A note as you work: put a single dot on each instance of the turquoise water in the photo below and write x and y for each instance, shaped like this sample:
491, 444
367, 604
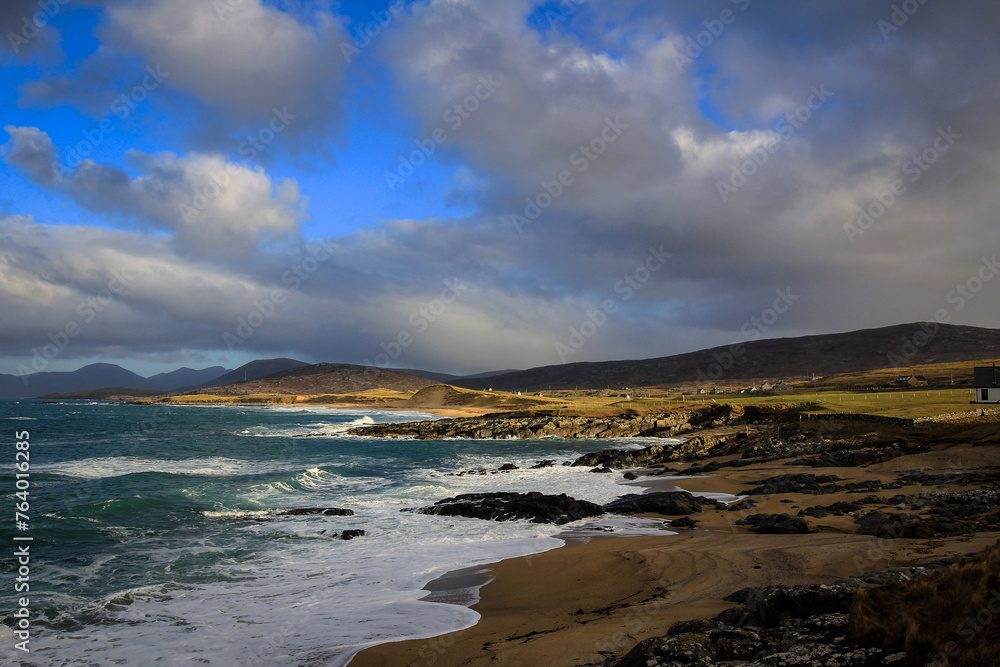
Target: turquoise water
155, 539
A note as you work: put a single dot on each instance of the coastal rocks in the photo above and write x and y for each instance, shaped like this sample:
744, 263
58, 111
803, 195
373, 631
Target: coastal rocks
668, 503
836, 509
774, 626
503, 506
693, 648
741, 505
951, 478
684, 522
625, 458
796, 483
776, 524
305, 511
350, 534
850, 458
541, 424
768, 606
935, 515
656, 455
545, 463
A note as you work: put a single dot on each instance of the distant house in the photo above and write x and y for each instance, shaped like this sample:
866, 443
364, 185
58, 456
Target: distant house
987, 382
767, 386
781, 386
911, 381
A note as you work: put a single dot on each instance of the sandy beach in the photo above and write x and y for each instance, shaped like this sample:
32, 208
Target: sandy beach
585, 602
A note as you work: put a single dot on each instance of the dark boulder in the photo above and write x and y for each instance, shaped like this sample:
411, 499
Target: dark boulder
506, 506
545, 463
768, 606
776, 524
508, 466
894, 526
304, 511
795, 483
741, 505
671, 503
684, 522
351, 534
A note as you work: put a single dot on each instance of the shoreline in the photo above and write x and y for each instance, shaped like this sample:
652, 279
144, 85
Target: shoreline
581, 603
584, 602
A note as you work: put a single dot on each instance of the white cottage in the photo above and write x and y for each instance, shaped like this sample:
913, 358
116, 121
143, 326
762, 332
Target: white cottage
987, 382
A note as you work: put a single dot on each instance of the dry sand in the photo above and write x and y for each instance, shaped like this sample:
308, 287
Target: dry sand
581, 603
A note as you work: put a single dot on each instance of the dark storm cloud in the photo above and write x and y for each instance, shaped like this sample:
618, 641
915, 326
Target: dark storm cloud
806, 156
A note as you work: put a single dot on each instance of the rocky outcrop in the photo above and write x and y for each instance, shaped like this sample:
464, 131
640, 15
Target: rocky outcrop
350, 534
540, 424
776, 626
502, 506
699, 447
669, 503
796, 483
776, 524
837, 509
934, 515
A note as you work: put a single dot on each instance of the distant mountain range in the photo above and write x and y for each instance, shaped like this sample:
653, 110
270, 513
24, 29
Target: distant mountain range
101, 376
778, 358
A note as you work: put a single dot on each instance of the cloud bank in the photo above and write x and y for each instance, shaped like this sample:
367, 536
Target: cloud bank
663, 172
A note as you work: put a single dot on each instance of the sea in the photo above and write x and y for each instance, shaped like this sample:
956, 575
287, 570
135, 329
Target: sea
156, 536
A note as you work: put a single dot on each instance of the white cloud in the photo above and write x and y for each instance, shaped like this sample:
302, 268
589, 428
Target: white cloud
243, 59
211, 206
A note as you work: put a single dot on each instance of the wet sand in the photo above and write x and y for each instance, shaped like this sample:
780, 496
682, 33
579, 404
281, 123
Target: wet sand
584, 602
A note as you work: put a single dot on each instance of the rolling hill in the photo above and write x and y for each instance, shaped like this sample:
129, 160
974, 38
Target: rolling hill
251, 371
851, 352
318, 379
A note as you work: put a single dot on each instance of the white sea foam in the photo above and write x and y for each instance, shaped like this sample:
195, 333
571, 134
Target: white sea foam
311, 430
106, 467
280, 590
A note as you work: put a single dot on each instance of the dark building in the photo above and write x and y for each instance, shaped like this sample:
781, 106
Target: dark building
987, 382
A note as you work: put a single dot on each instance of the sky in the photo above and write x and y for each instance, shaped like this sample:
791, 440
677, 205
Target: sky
465, 186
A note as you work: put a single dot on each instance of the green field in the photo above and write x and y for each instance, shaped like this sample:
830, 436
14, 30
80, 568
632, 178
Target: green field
901, 403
